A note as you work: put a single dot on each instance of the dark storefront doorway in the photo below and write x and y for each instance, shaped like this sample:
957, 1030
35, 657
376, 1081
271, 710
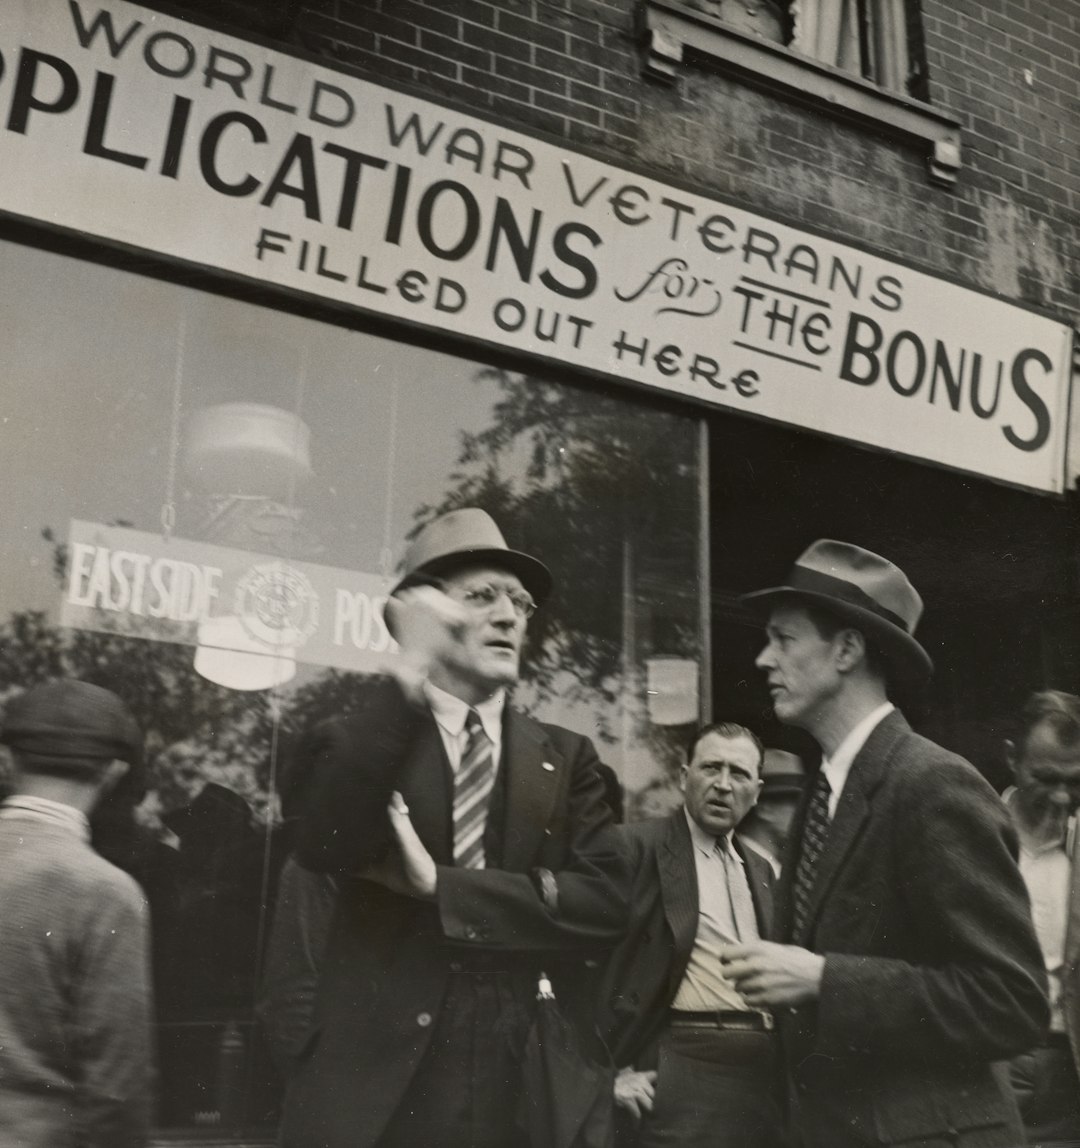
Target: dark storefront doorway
997, 569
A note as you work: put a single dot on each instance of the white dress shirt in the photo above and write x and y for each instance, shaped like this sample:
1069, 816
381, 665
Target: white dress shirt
704, 988
1047, 874
450, 713
837, 767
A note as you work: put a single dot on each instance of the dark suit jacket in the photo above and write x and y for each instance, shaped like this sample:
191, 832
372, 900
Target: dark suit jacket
1070, 975
645, 970
932, 968
389, 957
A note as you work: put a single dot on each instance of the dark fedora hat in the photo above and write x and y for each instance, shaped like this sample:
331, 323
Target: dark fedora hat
71, 725
468, 537
864, 589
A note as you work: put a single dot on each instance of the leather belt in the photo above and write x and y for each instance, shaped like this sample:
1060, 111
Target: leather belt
725, 1020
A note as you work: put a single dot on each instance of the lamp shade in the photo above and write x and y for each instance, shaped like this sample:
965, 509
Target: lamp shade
248, 449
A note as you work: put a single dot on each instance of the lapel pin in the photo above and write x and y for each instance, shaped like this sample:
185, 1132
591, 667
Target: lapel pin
549, 767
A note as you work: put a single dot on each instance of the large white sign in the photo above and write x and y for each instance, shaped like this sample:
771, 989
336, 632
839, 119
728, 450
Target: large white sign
149, 131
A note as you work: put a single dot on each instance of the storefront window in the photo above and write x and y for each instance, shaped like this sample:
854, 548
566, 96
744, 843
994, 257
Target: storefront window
207, 503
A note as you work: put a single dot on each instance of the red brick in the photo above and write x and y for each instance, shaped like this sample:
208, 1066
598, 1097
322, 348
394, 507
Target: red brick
500, 85
531, 32
572, 69
496, 42
464, 54
424, 61
572, 109
527, 74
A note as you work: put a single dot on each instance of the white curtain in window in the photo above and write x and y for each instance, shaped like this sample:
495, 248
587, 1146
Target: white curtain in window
828, 30
888, 33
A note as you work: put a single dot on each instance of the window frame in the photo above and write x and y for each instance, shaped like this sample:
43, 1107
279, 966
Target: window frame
672, 34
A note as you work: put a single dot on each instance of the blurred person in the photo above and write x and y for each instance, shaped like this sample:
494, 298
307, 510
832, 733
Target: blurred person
1045, 761
299, 928
471, 851
697, 1064
909, 963
765, 828
75, 1001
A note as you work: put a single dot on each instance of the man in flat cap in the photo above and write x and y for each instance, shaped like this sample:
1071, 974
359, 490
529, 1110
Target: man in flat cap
472, 852
75, 1045
910, 963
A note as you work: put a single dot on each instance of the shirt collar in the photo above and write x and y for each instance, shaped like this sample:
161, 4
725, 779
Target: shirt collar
839, 765
706, 842
450, 711
44, 809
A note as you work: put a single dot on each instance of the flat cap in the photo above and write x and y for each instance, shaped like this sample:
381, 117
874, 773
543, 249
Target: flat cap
69, 720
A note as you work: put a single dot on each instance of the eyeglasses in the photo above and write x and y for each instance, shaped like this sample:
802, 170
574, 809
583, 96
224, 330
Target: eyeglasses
485, 596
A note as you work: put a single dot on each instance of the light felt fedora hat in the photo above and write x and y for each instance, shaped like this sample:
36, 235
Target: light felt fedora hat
865, 589
463, 538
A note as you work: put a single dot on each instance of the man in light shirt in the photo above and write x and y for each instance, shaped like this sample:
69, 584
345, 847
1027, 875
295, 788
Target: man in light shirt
697, 1063
909, 963
1045, 760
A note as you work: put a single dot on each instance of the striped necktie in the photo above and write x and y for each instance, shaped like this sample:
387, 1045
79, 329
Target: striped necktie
473, 783
814, 835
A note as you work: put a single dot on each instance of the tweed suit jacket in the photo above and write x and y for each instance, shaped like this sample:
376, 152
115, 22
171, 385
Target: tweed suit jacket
389, 957
76, 1063
932, 969
645, 970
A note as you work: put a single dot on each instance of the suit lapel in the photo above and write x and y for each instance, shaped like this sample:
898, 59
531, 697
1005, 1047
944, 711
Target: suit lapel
679, 890
428, 792
1072, 921
533, 774
853, 809
758, 877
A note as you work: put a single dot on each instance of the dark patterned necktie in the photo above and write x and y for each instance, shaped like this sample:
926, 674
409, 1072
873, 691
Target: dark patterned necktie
814, 835
473, 783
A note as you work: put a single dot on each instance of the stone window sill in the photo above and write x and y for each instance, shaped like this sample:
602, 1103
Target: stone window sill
671, 32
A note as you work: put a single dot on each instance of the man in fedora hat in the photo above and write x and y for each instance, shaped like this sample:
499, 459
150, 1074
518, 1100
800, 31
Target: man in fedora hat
764, 830
471, 849
75, 1050
908, 962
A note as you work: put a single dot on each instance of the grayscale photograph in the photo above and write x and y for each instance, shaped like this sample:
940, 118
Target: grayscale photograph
540, 599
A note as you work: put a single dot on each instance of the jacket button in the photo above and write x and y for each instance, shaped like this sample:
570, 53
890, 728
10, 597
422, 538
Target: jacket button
455, 966
423, 1019
470, 933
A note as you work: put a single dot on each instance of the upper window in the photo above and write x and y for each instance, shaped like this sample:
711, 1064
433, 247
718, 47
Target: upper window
868, 38
860, 60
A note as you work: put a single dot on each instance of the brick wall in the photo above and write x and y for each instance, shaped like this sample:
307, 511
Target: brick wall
1009, 69
565, 67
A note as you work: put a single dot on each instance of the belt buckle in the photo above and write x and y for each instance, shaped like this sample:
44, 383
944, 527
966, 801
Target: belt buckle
767, 1020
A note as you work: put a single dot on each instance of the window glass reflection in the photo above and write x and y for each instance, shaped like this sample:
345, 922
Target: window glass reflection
209, 500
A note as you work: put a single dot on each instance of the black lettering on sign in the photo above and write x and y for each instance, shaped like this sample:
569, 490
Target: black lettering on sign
23, 99
1026, 394
103, 23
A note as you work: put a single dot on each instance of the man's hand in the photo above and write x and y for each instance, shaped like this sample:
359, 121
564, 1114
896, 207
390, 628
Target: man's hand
411, 871
770, 975
635, 1090
427, 624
